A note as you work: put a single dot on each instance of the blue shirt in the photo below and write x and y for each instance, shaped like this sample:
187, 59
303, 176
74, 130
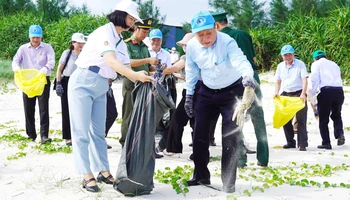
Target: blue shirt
291, 77
220, 65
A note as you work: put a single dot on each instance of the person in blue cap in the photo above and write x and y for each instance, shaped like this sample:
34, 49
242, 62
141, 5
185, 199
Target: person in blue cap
326, 78
156, 51
226, 75
256, 112
41, 56
291, 77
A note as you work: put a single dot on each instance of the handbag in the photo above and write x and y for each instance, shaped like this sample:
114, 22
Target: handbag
64, 66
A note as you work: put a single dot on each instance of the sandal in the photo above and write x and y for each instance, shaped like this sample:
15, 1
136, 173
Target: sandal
107, 180
94, 188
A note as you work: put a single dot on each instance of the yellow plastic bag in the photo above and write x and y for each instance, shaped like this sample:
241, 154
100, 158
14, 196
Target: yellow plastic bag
285, 109
31, 82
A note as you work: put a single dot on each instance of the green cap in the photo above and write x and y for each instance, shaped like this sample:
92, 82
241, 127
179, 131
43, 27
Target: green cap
218, 16
318, 53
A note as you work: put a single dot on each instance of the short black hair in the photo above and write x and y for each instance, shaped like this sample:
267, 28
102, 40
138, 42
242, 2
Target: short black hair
223, 22
118, 18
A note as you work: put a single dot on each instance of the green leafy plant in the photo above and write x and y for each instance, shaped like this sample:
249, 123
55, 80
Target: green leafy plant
177, 178
51, 148
16, 156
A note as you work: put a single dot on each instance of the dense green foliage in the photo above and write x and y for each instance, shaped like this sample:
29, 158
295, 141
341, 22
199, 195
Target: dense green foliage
306, 34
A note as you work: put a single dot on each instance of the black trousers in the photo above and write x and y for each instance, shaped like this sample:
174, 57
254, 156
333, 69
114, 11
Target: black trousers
66, 134
208, 104
330, 102
29, 112
301, 116
112, 112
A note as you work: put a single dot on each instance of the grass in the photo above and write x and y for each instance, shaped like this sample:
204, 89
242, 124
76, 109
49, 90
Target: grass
6, 72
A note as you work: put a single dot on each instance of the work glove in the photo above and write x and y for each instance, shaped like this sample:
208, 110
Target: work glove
189, 106
59, 89
248, 81
244, 105
43, 70
16, 68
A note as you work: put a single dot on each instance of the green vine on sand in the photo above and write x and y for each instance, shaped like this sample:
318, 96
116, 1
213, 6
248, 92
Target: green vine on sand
177, 178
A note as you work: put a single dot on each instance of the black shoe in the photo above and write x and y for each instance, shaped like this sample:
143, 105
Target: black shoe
288, 146
212, 143
341, 140
109, 146
194, 181
248, 151
325, 146
69, 143
107, 180
94, 188
45, 140
302, 148
191, 144
159, 156
261, 165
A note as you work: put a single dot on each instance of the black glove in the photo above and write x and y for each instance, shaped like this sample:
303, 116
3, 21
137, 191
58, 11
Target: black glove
59, 89
189, 106
248, 81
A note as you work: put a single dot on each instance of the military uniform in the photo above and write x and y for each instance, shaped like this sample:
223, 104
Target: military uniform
245, 43
136, 50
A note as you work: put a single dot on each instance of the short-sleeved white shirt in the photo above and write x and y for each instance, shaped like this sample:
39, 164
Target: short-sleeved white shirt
161, 54
103, 39
292, 76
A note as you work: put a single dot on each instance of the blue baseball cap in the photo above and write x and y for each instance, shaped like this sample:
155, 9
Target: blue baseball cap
155, 33
35, 31
202, 21
287, 49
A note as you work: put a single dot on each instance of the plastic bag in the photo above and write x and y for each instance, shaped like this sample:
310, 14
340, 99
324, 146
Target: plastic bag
137, 162
285, 109
31, 82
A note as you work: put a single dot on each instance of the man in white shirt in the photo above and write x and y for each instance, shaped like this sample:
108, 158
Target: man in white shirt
163, 56
326, 77
291, 76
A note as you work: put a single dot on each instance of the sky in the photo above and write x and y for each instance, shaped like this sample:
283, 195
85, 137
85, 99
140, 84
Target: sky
177, 11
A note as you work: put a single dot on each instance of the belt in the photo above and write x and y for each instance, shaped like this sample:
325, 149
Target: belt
238, 82
95, 69
293, 93
330, 87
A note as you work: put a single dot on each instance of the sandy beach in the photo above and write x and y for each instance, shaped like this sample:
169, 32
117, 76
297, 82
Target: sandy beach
28, 172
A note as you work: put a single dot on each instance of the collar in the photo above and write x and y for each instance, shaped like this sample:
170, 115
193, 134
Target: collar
114, 31
134, 41
160, 50
40, 45
285, 64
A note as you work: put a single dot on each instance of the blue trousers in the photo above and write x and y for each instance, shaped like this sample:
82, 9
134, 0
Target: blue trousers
87, 112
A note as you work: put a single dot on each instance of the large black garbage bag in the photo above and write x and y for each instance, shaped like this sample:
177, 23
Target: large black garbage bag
136, 166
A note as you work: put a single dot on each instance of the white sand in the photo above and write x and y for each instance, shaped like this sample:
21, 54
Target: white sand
52, 176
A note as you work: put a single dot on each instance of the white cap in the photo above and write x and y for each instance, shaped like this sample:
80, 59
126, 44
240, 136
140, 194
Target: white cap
129, 7
78, 37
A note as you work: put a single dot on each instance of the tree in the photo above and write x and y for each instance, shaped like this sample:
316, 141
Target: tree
245, 13
278, 11
13, 6
53, 10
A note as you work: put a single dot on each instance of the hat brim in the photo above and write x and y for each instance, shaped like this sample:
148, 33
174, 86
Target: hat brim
155, 37
79, 41
134, 15
35, 35
196, 30
286, 52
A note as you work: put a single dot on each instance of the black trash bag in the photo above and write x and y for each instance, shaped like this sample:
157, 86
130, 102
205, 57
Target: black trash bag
136, 166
